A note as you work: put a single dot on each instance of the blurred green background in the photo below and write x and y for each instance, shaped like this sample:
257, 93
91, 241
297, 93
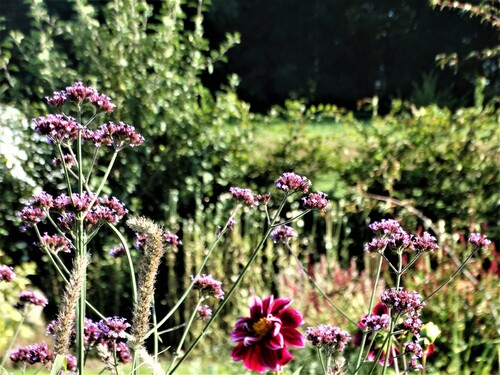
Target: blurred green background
389, 107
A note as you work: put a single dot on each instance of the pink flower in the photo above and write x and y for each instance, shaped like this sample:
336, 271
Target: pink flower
316, 201
264, 336
6, 273
242, 195
479, 240
291, 182
208, 286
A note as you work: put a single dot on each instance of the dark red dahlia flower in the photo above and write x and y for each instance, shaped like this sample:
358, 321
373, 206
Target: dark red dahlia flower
264, 336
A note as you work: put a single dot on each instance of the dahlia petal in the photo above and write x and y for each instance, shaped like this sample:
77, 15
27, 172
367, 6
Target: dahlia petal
291, 318
293, 338
275, 342
239, 352
252, 360
279, 305
284, 356
267, 304
380, 308
270, 358
256, 310
249, 340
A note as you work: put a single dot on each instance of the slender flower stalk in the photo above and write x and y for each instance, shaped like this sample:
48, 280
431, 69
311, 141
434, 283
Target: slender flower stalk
219, 236
233, 288
14, 336
318, 288
370, 307
186, 330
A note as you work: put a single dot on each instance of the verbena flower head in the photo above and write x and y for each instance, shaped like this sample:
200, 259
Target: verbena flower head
425, 243
69, 160
416, 352
6, 273
291, 182
116, 135
263, 338
54, 243
31, 354
112, 328
123, 352
31, 216
31, 297
231, 223
79, 93
333, 338
205, 312
402, 301
316, 201
263, 199
172, 239
242, 195
479, 240
374, 322
386, 226
282, 234
70, 362
412, 323
117, 251
207, 285
57, 128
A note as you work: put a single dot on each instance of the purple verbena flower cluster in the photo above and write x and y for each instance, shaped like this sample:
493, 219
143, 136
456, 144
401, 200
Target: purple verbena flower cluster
113, 328
27, 297
479, 240
54, 243
282, 234
172, 239
290, 182
242, 195
79, 93
117, 251
110, 332
393, 237
205, 312
104, 210
69, 160
57, 128
401, 301
316, 201
374, 322
263, 199
333, 338
116, 135
208, 286
6, 273
416, 352
31, 354
395, 303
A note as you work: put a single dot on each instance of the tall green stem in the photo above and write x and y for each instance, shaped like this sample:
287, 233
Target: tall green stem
14, 337
393, 320
462, 266
233, 288
317, 286
190, 287
81, 251
370, 307
184, 335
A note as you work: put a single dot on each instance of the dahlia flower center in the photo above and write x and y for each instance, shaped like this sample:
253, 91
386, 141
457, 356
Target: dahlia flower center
262, 327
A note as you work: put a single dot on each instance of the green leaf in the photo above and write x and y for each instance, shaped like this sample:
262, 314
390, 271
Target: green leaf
59, 364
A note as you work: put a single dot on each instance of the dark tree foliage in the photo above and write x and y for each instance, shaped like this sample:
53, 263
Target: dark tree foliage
342, 50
